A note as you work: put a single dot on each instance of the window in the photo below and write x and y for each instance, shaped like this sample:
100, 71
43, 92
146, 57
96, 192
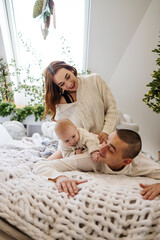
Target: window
66, 42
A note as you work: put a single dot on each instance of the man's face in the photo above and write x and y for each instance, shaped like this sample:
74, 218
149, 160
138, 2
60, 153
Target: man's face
112, 150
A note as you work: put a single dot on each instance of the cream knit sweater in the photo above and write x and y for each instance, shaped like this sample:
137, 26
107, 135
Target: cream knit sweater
95, 108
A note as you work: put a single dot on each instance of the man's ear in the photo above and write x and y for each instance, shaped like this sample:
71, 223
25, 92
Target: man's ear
127, 161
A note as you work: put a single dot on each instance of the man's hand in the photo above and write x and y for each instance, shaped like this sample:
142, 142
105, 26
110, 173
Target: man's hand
150, 191
95, 156
102, 137
69, 186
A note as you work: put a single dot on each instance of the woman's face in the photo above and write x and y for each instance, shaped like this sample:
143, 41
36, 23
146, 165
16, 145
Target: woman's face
66, 80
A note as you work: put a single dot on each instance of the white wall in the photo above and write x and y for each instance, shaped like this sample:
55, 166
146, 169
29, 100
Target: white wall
122, 36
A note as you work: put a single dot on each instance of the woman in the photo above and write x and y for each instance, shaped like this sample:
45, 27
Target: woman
85, 100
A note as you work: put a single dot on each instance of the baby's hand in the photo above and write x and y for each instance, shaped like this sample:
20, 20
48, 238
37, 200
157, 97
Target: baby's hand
78, 151
95, 156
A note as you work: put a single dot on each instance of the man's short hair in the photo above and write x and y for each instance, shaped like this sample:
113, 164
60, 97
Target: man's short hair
133, 140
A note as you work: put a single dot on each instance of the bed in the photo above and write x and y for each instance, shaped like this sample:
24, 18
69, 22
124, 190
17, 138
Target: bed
106, 207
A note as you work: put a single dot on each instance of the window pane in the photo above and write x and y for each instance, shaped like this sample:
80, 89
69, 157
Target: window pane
63, 43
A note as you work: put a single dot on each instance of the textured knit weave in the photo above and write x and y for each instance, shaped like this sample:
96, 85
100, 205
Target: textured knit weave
107, 207
95, 109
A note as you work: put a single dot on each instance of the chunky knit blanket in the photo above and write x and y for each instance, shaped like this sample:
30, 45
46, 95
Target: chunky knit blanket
106, 207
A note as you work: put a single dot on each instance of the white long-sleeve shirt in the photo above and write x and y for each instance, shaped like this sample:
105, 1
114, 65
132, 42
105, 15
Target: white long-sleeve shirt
140, 166
95, 108
87, 141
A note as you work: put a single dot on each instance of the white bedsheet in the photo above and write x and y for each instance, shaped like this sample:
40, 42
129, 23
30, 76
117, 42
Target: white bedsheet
106, 207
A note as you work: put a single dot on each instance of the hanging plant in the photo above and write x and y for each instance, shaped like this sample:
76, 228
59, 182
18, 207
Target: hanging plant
44, 9
30, 82
37, 10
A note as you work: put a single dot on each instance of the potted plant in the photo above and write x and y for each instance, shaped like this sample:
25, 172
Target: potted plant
152, 98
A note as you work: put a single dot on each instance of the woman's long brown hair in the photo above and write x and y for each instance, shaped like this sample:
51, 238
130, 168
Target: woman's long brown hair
52, 91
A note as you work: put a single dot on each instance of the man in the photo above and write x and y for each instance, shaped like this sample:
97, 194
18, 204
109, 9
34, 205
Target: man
116, 156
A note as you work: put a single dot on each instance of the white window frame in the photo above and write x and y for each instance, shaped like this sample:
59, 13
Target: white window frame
86, 34
8, 29
10, 38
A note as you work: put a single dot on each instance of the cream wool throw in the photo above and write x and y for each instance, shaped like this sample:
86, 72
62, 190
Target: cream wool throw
106, 207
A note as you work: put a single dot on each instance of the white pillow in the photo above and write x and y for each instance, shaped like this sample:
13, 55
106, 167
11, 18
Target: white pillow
15, 129
4, 136
48, 130
126, 122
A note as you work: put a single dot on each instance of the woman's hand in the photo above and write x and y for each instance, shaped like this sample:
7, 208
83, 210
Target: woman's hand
69, 186
150, 191
102, 137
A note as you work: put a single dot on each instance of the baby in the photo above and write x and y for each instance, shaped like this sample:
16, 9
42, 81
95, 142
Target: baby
74, 140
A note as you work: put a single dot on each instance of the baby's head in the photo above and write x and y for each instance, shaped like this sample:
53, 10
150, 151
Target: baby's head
67, 132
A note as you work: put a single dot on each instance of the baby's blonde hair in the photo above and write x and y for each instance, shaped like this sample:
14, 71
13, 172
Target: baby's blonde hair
62, 125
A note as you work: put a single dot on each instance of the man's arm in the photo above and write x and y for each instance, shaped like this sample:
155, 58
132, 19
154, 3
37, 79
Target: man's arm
55, 155
53, 171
